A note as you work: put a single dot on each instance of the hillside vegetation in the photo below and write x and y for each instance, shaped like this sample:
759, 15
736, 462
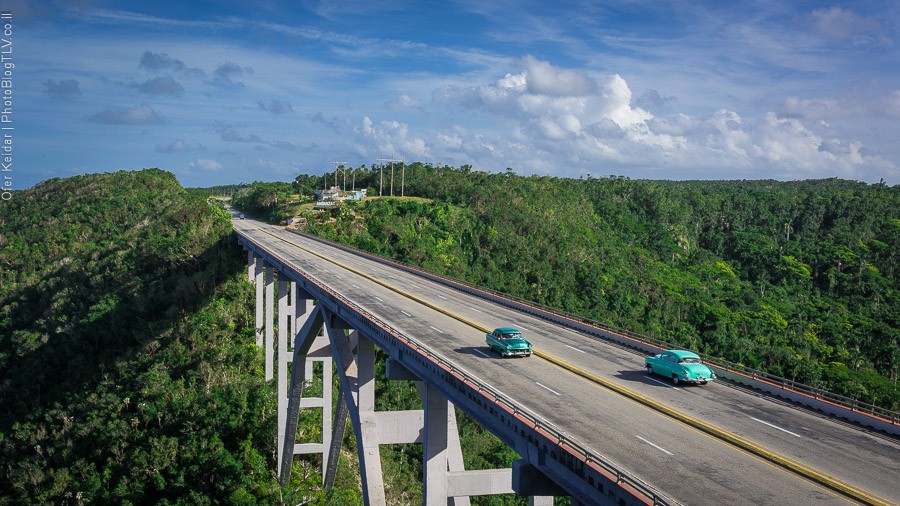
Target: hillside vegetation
128, 370
795, 278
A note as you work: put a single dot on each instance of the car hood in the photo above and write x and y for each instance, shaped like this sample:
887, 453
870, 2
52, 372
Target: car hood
515, 344
697, 370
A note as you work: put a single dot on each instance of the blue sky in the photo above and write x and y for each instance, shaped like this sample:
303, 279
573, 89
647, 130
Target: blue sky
229, 92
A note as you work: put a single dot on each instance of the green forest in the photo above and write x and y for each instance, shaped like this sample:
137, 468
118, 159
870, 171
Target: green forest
129, 372
798, 279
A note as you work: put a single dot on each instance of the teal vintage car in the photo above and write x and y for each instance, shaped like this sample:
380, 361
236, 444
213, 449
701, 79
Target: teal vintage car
508, 342
681, 366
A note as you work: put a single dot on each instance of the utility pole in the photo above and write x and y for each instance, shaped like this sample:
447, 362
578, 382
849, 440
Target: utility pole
391, 160
403, 178
343, 167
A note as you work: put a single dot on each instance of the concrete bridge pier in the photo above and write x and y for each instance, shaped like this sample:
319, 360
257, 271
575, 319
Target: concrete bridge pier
357, 381
299, 346
259, 280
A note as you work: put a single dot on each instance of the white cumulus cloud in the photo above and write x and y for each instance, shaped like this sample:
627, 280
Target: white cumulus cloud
837, 23
205, 164
845, 107
177, 146
546, 79
138, 115
572, 123
404, 102
390, 137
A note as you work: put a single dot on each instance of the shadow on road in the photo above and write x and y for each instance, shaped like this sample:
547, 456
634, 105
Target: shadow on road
641, 376
478, 351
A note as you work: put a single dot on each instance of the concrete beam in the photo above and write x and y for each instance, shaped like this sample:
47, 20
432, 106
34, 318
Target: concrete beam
307, 448
312, 402
487, 482
397, 427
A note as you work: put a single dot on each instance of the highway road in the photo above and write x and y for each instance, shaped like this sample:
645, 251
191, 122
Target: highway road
682, 462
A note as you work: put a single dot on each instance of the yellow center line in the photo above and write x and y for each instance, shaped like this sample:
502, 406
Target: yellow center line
785, 462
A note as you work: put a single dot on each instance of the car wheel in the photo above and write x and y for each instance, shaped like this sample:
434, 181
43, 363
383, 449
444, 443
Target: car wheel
675, 379
650, 369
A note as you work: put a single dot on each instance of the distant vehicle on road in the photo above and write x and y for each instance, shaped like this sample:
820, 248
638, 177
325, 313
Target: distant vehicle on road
241, 216
680, 366
508, 342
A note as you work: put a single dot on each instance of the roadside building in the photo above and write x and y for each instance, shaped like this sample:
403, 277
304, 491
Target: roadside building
329, 194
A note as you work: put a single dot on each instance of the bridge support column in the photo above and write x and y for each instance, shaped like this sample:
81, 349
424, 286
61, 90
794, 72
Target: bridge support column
305, 342
292, 315
357, 380
251, 265
337, 437
270, 322
286, 321
445, 479
286, 303
435, 460
329, 465
396, 372
259, 281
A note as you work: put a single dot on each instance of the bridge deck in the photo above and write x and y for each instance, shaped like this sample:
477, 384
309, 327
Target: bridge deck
682, 462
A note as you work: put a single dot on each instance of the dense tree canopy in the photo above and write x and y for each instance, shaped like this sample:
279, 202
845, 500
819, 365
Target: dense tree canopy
128, 372
795, 278
262, 198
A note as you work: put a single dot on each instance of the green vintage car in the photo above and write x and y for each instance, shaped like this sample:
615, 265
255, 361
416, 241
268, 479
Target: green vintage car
508, 342
681, 366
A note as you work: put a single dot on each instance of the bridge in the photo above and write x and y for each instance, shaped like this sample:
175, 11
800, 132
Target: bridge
585, 419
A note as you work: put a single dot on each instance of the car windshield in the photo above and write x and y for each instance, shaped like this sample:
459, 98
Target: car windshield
510, 336
690, 360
